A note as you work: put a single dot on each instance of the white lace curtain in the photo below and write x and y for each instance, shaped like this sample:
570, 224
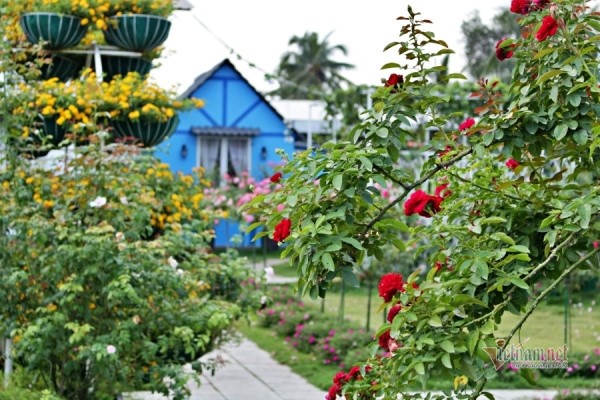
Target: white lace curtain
238, 155
210, 152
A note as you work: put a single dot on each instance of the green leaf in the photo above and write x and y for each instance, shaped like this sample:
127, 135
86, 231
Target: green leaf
391, 64
580, 137
328, 261
519, 283
350, 277
503, 237
435, 321
462, 299
353, 242
420, 368
560, 131
337, 181
446, 361
292, 199
488, 327
456, 76
548, 75
585, 214
554, 94
447, 346
366, 163
393, 223
492, 220
382, 132
518, 249
472, 340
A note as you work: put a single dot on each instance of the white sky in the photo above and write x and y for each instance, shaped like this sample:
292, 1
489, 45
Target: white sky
259, 30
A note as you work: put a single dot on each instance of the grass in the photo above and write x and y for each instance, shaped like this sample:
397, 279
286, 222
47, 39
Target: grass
545, 327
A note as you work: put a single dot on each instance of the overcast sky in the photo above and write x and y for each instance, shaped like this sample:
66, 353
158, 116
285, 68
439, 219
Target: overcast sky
259, 31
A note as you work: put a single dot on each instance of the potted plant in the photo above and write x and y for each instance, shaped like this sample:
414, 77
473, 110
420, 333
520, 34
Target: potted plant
140, 25
142, 110
59, 24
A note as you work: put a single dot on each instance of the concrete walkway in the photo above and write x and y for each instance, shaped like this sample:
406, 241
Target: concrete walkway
249, 373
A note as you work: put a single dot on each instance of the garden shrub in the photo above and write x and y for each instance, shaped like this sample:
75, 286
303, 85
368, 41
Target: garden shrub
109, 278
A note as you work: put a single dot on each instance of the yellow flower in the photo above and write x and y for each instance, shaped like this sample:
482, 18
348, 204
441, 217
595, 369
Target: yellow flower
92, 306
6, 185
100, 24
48, 203
52, 307
85, 21
460, 381
134, 114
29, 180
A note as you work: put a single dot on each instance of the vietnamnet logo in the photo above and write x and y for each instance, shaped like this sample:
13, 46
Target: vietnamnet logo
519, 356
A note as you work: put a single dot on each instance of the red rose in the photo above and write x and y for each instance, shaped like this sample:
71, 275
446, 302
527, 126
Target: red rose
504, 52
539, 4
393, 312
423, 204
282, 230
394, 80
384, 340
354, 373
276, 177
443, 191
333, 392
389, 285
596, 244
512, 163
548, 28
520, 6
340, 378
468, 123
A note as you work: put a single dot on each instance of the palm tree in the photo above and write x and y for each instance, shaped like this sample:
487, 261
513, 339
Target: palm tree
308, 71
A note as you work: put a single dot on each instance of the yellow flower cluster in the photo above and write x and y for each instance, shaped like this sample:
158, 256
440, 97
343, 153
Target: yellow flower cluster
81, 103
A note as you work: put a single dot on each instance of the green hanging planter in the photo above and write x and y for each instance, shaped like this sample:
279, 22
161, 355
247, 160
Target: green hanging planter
48, 127
57, 30
51, 128
117, 65
137, 32
148, 133
62, 67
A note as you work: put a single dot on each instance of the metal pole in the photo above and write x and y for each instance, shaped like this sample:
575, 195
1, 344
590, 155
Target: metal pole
566, 322
8, 363
309, 130
342, 302
369, 293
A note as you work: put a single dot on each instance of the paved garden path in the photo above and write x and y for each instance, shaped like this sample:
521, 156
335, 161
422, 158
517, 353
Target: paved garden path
249, 373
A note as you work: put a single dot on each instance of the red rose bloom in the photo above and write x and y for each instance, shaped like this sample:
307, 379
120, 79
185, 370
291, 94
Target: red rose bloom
468, 123
354, 373
282, 230
276, 177
512, 163
548, 28
520, 6
423, 204
393, 312
389, 285
539, 4
334, 390
384, 340
443, 191
340, 378
504, 52
394, 80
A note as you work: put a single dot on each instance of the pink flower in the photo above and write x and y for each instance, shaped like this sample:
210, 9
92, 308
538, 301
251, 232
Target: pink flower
110, 349
596, 244
280, 207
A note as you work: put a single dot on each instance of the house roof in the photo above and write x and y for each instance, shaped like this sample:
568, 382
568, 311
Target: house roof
224, 131
202, 78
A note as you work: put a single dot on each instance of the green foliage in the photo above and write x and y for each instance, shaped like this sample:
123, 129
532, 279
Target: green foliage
502, 228
114, 282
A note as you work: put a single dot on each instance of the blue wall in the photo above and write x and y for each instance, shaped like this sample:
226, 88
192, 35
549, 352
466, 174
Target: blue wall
229, 102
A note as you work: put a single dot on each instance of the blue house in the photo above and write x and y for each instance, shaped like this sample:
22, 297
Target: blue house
237, 130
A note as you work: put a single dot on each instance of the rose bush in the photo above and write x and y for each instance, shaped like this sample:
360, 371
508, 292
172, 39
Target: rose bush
503, 229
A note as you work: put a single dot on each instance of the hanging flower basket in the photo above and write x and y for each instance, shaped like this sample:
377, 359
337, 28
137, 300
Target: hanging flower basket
57, 30
137, 32
62, 67
117, 65
149, 133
